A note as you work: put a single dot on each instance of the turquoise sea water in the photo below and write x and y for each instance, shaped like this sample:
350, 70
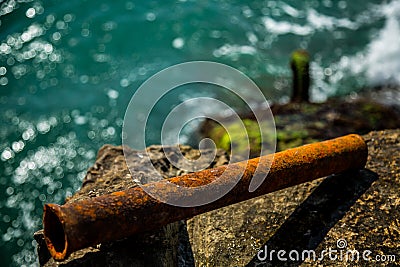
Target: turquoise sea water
69, 68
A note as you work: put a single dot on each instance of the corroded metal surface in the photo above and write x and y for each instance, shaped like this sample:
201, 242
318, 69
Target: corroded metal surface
120, 214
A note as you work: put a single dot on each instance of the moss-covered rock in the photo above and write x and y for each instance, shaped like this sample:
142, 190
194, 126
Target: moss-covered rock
234, 136
300, 65
303, 123
245, 141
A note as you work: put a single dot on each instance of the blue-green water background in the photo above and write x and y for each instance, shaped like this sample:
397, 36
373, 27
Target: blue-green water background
69, 68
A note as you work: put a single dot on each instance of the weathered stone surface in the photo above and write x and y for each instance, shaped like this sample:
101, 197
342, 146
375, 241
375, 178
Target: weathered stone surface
168, 246
360, 207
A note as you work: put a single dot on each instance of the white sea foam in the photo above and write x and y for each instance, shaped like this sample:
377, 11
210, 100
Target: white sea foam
314, 22
380, 60
284, 27
320, 22
382, 57
291, 11
233, 50
377, 64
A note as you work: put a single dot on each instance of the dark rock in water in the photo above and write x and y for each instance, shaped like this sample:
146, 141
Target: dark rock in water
356, 210
300, 65
168, 246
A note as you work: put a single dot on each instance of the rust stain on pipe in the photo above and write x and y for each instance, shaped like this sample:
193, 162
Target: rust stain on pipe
80, 224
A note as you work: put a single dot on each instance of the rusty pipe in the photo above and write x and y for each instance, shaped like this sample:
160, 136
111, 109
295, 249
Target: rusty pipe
84, 223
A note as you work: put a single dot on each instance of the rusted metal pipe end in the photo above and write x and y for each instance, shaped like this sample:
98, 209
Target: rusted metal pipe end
55, 237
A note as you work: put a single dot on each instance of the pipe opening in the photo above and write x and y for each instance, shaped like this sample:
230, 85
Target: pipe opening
54, 232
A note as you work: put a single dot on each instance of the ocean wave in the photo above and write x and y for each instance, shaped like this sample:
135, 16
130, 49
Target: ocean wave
315, 21
382, 59
379, 61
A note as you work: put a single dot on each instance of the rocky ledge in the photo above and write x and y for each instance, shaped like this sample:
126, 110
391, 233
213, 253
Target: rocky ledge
349, 211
